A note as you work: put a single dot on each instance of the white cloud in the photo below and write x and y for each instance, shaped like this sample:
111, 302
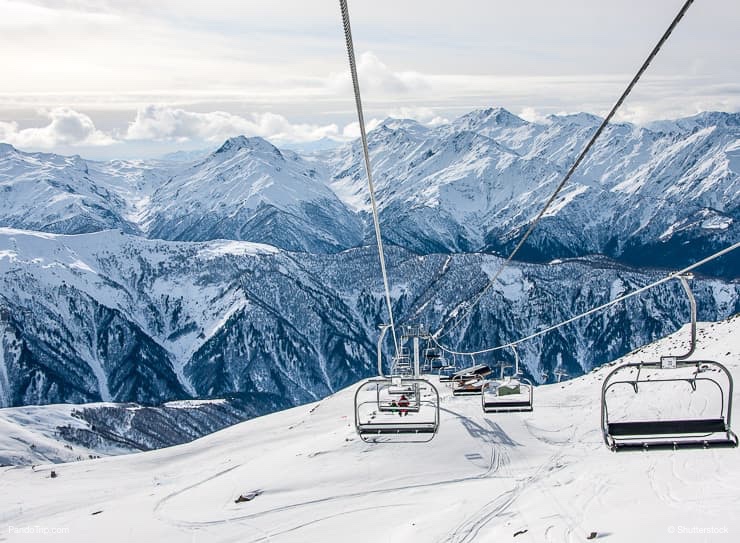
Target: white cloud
66, 127
532, 115
175, 124
377, 78
352, 130
424, 115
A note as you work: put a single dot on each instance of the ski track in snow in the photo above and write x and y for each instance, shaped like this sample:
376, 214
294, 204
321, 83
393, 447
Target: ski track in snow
496, 461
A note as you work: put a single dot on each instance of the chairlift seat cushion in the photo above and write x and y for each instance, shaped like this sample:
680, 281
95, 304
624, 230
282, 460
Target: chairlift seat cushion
505, 390
667, 427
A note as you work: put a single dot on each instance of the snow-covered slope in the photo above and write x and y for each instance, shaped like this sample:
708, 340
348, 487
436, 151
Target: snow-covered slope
544, 476
68, 432
30, 435
71, 195
53, 193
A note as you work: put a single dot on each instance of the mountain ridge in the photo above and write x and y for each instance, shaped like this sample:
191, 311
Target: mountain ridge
112, 316
471, 185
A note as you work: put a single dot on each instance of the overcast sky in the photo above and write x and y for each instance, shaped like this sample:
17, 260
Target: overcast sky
133, 78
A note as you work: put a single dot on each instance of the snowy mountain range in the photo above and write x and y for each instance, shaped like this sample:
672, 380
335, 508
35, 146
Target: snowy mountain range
109, 316
641, 196
250, 272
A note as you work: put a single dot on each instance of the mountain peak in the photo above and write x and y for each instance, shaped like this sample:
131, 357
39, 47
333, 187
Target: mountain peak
391, 124
491, 118
705, 119
576, 119
6, 149
498, 115
255, 143
717, 118
394, 123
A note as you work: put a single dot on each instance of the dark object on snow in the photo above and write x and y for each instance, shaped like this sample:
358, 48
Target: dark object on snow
520, 532
592, 535
53, 474
96, 512
248, 497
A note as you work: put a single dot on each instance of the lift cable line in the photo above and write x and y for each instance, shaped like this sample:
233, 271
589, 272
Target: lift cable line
568, 175
376, 406
366, 153
675, 275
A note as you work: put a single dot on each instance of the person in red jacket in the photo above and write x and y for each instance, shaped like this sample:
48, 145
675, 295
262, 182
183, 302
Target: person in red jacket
403, 403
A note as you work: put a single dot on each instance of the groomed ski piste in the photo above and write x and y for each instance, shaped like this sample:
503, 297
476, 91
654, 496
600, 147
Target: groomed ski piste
304, 475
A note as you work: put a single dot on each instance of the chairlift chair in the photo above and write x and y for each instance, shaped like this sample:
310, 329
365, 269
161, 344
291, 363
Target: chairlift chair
445, 374
401, 388
432, 353
650, 432
466, 374
709, 380
377, 422
471, 387
507, 396
401, 363
439, 364
434, 360
470, 381
377, 419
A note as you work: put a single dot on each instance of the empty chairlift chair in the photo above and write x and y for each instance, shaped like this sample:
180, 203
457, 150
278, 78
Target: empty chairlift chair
401, 364
469, 388
466, 374
706, 381
434, 361
507, 396
440, 364
470, 381
402, 388
446, 372
670, 404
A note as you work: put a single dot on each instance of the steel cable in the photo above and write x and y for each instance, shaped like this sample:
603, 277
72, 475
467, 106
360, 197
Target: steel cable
568, 175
